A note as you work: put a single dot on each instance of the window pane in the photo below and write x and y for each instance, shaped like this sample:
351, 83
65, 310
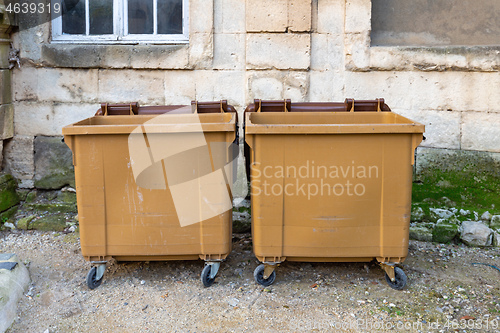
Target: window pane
101, 17
73, 17
170, 16
140, 16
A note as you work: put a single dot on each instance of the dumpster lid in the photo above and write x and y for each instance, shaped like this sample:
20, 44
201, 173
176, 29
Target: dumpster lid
329, 123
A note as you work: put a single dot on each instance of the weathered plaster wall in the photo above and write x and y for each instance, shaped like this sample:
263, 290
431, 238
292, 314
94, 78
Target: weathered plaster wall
307, 50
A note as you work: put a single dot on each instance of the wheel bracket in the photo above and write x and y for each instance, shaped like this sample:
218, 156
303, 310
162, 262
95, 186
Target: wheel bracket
214, 268
100, 269
268, 270
389, 270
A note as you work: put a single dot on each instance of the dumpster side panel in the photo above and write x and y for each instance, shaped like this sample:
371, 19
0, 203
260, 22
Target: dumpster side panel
89, 179
342, 196
118, 218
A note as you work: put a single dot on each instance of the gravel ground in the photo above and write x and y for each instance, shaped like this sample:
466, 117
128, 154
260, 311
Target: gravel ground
443, 289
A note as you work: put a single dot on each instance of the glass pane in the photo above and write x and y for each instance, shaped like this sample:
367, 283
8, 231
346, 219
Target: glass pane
170, 16
140, 16
73, 17
101, 17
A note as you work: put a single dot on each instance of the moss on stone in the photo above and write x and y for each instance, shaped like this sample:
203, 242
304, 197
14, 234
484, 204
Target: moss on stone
22, 193
67, 197
7, 216
53, 222
421, 234
52, 207
25, 222
56, 180
444, 232
31, 196
8, 194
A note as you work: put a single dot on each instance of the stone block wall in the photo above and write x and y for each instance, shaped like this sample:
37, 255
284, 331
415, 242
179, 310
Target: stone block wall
305, 50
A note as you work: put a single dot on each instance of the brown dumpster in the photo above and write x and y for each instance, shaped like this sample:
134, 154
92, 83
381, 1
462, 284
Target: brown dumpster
330, 182
154, 183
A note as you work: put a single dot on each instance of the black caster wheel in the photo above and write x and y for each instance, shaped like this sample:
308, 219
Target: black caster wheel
92, 282
400, 282
258, 275
205, 276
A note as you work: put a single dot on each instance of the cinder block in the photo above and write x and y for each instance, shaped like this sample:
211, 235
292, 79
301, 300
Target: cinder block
266, 16
280, 51
481, 131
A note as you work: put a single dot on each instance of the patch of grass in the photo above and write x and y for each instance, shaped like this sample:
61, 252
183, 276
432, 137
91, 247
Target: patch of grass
470, 191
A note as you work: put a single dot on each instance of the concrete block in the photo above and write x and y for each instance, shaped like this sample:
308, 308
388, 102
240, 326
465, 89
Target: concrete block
264, 85
201, 18
180, 87
33, 118
55, 84
125, 86
481, 131
25, 84
357, 51
319, 52
19, 159
117, 56
229, 51
13, 284
217, 85
327, 52
299, 15
266, 16
281, 51
232, 16
201, 50
164, 57
6, 121
358, 16
5, 86
331, 16
395, 87
296, 85
326, 86
67, 85
442, 128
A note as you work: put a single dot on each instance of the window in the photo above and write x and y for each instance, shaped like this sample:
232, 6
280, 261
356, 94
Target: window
122, 21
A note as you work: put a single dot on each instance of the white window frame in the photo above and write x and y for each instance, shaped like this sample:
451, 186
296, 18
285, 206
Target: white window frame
120, 28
